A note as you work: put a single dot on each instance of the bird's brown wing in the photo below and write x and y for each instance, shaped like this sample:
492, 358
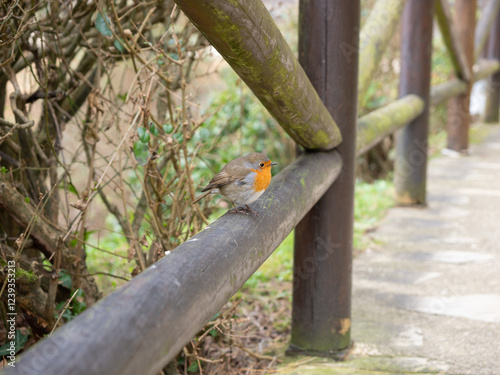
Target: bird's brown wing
230, 173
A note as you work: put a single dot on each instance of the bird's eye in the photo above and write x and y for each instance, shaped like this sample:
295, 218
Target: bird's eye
261, 165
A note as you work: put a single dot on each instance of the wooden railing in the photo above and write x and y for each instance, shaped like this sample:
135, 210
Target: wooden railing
142, 326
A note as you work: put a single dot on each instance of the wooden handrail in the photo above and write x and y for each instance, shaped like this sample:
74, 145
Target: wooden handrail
374, 126
140, 327
454, 87
374, 38
483, 28
247, 37
450, 39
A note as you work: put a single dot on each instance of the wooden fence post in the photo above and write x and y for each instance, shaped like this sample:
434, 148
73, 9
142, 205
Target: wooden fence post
458, 107
411, 141
491, 111
321, 315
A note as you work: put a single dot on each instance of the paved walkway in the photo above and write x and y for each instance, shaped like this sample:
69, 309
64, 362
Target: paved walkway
426, 299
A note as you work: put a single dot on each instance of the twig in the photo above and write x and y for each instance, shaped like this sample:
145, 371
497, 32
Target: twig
104, 173
54, 281
9, 124
62, 312
258, 356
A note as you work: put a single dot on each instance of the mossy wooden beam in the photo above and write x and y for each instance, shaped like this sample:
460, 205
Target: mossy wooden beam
373, 127
374, 38
483, 28
247, 37
451, 41
143, 325
447, 90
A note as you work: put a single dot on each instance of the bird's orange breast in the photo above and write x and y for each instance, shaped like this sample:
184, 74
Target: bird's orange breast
262, 179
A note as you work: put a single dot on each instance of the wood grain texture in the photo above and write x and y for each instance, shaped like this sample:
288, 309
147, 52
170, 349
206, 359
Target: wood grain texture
321, 316
458, 123
410, 169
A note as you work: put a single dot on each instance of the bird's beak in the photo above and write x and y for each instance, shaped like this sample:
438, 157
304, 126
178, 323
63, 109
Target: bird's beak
274, 163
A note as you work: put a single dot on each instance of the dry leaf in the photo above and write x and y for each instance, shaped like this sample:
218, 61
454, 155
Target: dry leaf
81, 205
144, 242
130, 253
19, 241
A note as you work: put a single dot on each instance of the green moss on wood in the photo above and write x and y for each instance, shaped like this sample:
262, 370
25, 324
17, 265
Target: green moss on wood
246, 36
377, 124
25, 277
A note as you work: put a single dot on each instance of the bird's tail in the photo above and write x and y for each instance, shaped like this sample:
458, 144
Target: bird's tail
202, 196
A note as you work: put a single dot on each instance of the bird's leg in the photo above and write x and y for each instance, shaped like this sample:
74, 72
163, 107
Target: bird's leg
237, 210
252, 211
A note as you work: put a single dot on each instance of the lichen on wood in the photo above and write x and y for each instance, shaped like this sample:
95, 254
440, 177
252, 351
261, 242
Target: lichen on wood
247, 37
373, 127
454, 87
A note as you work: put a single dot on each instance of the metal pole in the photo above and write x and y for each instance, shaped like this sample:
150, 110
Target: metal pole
321, 317
411, 142
458, 107
491, 111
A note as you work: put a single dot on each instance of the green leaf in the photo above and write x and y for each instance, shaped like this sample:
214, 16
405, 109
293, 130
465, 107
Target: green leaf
68, 314
194, 367
119, 45
123, 97
143, 135
88, 233
168, 128
141, 153
65, 279
4, 170
19, 341
72, 189
78, 305
102, 26
27, 199
153, 129
213, 333
179, 137
215, 316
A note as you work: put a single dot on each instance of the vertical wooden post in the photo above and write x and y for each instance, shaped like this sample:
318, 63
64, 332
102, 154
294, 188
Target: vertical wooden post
328, 51
458, 107
492, 107
410, 171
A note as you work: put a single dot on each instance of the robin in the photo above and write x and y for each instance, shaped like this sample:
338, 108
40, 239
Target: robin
242, 180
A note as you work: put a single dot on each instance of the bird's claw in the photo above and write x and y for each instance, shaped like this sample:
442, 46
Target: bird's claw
244, 211
252, 211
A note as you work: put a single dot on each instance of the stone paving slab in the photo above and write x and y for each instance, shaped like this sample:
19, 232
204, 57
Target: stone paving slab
426, 298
